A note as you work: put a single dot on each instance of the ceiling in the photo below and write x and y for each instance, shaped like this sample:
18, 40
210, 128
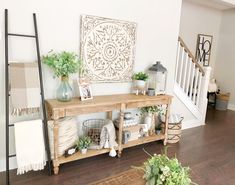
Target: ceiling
218, 4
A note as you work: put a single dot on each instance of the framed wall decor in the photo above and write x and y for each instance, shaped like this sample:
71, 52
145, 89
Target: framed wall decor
85, 90
107, 48
203, 49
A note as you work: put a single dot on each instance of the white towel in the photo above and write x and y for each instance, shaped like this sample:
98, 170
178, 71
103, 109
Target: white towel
30, 149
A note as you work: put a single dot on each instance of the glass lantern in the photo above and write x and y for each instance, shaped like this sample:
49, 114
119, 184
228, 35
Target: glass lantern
157, 78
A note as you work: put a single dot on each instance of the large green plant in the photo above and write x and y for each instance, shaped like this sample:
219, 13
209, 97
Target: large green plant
63, 63
161, 170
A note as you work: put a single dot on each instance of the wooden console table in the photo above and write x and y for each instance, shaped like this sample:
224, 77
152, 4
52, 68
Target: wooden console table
107, 103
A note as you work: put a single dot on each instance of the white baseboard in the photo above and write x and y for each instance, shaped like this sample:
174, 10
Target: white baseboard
231, 107
12, 164
191, 124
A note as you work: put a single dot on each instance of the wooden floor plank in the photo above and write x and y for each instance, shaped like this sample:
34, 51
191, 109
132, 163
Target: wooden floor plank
209, 150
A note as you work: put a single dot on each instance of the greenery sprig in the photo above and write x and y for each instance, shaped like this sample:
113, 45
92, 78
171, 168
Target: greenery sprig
63, 63
140, 76
151, 110
83, 142
161, 170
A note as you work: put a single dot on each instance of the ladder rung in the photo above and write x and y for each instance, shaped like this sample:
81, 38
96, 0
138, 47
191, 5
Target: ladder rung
12, 155
21, 35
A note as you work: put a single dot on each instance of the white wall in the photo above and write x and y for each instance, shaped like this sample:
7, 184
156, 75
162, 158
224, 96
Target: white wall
225, 62
59, 24
197, 19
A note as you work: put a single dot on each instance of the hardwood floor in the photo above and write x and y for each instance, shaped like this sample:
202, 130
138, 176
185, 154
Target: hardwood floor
209, 151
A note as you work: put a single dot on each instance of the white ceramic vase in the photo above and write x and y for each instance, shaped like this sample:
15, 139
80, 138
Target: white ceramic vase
148, 120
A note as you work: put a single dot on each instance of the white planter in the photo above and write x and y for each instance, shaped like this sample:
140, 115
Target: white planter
140, 84
84, 150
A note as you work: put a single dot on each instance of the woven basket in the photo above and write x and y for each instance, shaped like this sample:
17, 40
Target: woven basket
174, 132
174, 128
68, 134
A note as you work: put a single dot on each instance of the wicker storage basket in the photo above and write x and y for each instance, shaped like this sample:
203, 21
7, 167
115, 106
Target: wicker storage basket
174, 132
92, 128
174, 128
222, 101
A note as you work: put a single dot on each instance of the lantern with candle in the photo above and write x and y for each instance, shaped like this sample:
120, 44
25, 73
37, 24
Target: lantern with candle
157, 78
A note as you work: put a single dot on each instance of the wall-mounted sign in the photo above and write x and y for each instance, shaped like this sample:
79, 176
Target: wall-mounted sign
203, 49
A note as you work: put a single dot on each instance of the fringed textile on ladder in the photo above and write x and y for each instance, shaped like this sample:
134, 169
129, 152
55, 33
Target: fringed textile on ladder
24, 88
30, 148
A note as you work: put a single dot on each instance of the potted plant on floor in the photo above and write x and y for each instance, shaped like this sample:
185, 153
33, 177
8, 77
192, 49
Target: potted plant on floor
63, 64
140, 79
161, 170
83, 143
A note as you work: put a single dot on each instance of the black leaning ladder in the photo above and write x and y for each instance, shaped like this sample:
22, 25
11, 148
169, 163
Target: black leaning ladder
7, 93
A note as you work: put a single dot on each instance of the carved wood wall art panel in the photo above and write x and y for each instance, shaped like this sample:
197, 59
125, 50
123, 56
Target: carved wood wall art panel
107, 48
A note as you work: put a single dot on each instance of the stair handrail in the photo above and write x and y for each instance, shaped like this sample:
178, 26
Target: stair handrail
191, 55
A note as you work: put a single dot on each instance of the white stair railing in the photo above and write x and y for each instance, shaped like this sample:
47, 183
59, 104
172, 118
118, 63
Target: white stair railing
191, 79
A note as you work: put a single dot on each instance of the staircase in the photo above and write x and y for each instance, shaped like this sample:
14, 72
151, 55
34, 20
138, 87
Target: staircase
191, 84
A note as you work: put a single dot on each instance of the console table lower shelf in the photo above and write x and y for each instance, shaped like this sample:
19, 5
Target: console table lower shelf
57, 110
91, 153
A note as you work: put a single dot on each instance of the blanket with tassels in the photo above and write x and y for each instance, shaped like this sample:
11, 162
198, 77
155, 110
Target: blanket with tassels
24, 88
29, 144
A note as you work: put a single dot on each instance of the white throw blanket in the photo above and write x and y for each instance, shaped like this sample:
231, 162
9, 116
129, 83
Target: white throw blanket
29, 142
108, 136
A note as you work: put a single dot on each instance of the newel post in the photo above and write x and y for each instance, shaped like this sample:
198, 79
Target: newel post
203, 94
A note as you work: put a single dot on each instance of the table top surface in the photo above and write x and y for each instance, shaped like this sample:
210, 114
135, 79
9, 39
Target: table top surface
106, 100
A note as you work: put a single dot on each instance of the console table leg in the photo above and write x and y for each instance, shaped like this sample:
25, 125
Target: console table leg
165, 142
166, 124
56, 145
120, 130
56, 167
119, 154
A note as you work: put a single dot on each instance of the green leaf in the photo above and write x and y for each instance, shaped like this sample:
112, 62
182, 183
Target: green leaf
63, 63
140, 76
